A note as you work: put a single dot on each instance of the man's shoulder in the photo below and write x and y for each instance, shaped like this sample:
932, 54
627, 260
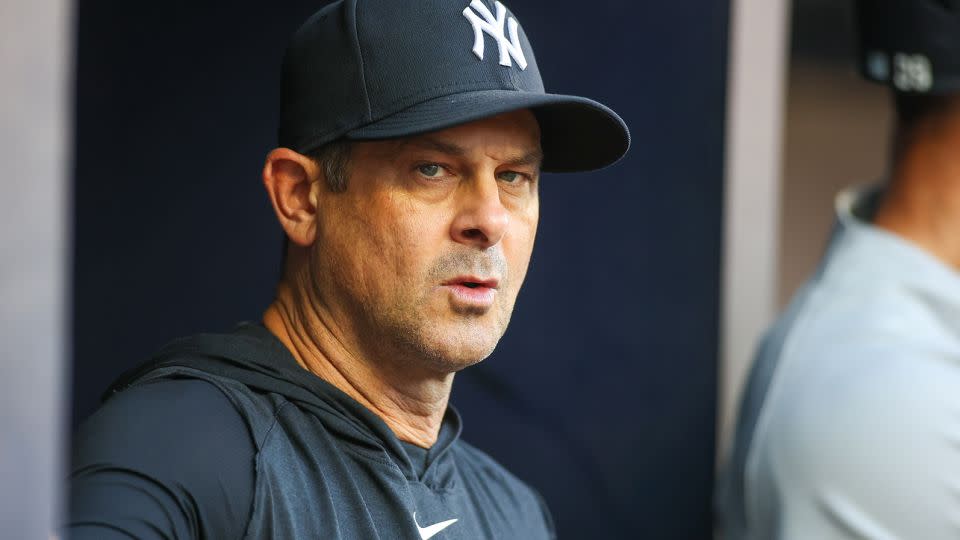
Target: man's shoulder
172, 454
201, 372
176, 420
859, 294
861, 406
876, 433
859, 326
829, 323
871, 345
866, 368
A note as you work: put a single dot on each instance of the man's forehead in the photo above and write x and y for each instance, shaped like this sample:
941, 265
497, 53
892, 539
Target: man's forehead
438, 142
516, 133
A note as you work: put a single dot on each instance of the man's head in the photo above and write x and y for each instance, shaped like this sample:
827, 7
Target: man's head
423, 254
412, 139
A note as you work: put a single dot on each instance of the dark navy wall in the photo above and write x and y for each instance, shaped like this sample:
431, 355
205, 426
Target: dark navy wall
602, 393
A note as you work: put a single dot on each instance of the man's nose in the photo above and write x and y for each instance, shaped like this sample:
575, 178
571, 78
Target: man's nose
482, 219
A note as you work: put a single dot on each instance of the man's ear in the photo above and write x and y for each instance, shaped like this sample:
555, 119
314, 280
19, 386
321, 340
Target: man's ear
289, 178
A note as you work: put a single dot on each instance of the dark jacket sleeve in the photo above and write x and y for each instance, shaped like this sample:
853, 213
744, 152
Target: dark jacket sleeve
169, 459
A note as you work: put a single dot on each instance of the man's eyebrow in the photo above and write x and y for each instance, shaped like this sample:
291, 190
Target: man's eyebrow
533, 157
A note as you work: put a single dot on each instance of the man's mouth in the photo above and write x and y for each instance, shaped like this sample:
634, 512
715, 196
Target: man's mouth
472, 292
473, 282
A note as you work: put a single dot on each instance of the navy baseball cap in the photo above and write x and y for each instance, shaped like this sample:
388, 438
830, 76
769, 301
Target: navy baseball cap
380, 69
913, 46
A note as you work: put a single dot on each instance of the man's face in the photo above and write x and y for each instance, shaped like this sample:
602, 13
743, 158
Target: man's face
422, 257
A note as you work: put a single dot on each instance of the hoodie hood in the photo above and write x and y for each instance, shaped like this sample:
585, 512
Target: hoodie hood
254, 357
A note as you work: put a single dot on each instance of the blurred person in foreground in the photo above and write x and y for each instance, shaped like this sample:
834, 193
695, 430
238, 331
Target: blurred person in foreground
850, 424
412, 139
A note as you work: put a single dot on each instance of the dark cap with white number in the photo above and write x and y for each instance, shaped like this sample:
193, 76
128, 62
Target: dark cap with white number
381, 69
913, 46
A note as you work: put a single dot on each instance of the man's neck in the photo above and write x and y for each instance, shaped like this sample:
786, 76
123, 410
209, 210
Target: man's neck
412, 405
922, 203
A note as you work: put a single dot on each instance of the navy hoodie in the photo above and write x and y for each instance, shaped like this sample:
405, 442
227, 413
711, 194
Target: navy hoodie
226, 436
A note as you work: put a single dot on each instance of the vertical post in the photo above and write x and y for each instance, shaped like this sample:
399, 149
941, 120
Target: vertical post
35, 67
755, 101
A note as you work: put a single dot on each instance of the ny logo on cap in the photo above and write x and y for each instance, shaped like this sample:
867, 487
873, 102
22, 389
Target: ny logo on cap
495, 27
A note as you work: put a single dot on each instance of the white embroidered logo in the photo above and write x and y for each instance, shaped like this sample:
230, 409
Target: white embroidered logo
495, 27
432, 530
912, 72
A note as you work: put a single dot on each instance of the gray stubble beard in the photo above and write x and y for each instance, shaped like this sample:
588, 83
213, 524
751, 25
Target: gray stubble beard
412, 334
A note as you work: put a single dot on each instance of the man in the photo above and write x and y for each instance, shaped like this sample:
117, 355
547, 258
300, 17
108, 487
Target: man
850, 425
412, 138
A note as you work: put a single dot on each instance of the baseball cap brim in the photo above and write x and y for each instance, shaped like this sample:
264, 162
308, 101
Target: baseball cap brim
577, 134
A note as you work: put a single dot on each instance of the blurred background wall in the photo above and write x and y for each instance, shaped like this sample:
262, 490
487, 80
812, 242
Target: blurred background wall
753, 145
35, 85
602, 394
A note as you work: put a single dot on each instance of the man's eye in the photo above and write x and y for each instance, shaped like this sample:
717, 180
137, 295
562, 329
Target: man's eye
431, 170
510, 176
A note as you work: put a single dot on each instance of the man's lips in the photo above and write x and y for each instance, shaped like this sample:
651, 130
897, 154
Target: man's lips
473, 282
473, 291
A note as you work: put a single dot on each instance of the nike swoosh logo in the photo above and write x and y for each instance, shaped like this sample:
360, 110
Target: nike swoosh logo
429, 532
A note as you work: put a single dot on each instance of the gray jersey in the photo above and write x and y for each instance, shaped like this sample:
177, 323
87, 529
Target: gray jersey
850, 424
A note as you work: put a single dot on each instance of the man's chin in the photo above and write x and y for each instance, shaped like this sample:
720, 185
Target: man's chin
454, 359
453, 349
